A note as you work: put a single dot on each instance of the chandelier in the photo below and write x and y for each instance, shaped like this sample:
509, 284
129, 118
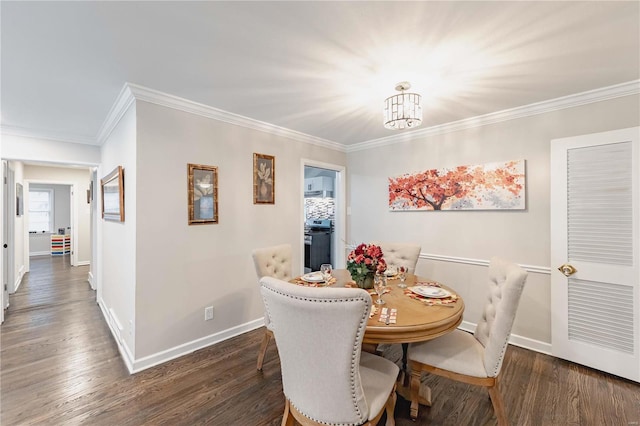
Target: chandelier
403, 110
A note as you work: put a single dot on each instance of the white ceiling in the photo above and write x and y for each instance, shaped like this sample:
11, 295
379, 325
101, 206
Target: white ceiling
321, 68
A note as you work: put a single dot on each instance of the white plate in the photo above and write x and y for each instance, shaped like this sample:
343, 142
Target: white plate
428, 291
391, 272
313, 277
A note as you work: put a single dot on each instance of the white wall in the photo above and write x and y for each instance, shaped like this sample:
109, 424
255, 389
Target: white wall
31, 149
117, 240
520, 236
182, 268
40, 244
80, 178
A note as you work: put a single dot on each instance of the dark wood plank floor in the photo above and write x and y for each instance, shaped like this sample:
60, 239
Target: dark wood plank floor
60, 366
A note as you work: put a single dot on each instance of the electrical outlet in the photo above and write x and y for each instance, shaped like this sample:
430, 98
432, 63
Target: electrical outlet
208, 313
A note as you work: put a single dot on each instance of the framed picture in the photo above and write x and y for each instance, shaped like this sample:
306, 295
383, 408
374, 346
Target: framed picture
264, 179
19, 200
113, 195
203, 194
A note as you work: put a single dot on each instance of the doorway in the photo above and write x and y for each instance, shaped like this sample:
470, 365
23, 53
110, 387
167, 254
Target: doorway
69, 188
50, 218
9, 211
323, 215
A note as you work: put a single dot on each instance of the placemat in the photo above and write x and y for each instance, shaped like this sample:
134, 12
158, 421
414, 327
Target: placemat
300, 281
431, 301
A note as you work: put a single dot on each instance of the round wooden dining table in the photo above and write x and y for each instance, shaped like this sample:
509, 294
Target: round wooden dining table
415, 322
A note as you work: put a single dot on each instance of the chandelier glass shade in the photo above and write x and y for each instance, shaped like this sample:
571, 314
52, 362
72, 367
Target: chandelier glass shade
402, 111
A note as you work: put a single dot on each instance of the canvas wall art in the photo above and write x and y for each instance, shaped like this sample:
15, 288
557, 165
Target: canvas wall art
493, 186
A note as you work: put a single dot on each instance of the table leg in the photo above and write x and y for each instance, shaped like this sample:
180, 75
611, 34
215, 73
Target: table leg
404, 389
405, 349
424, 394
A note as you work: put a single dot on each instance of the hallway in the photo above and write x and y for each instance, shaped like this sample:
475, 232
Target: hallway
60, 366
53, 340
52, 281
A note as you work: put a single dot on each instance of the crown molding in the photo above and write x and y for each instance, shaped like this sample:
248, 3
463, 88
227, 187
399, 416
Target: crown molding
163, 99
118, 109
47, 135
131, 92
570, 101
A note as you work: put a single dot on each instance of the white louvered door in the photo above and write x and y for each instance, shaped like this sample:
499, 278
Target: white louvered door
595, 222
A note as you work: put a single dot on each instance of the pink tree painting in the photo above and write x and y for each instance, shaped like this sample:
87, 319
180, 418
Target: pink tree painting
493, 186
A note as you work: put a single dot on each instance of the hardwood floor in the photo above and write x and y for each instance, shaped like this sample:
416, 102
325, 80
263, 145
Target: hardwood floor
60, 366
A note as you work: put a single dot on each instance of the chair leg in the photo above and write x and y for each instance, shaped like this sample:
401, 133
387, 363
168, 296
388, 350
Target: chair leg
415, 390
391, 408
498, 404
287, 417
263, 348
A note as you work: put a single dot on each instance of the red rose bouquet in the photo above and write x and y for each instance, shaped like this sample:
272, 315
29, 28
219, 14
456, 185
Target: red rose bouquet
363, 262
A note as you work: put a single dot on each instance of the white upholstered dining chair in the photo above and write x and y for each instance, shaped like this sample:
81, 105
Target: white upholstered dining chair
274, 262
474, 359
400, 254
326, 378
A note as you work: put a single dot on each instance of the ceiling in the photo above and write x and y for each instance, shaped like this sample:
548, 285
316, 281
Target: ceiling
320, 68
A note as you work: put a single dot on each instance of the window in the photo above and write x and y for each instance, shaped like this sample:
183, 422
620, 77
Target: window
40, 210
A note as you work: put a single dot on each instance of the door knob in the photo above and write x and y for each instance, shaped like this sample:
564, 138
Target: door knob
567, 269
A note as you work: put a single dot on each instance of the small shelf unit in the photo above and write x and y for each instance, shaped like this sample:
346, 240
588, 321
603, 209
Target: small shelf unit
60, 245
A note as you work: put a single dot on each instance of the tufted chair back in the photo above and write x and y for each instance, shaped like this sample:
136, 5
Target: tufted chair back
320, 350
400, 254
506, 281
273, 262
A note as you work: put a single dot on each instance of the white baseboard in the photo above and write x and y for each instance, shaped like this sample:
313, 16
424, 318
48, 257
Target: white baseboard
516, 340
116, 330
40, 253
137, 365
189, 347
83, 263
19, 278
90, 279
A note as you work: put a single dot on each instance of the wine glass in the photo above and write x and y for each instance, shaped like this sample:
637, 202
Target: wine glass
326, 269
402, 274
379, 284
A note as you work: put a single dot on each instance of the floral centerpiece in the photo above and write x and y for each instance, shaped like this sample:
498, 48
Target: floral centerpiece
363, 262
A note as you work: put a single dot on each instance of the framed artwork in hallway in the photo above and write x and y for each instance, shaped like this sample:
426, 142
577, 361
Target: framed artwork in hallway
19, 200
113, 195
264, 179
203, 194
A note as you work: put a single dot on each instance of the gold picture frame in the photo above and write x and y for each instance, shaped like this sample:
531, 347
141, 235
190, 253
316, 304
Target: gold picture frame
203, 194
264, 179
113, 195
